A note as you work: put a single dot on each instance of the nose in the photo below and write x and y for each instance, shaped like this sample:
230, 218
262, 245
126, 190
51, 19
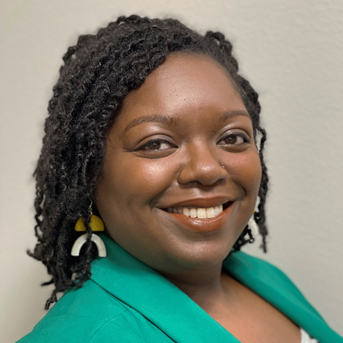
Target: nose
202, 166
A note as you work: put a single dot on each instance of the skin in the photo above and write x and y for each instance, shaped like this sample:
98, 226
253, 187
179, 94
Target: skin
185, 135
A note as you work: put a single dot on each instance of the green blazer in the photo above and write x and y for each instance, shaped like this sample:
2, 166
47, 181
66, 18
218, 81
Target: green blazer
126, 301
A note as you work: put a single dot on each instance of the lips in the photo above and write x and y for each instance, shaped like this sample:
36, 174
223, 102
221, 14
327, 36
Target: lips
197, 212
205, 214
202, 202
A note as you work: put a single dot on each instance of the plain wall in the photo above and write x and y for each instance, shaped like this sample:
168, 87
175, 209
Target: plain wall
292, 53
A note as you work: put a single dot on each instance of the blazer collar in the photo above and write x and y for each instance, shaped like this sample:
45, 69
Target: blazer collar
156, 298
276, 288
179, 317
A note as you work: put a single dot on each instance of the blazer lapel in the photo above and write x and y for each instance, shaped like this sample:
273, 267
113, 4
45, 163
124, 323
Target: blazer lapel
272, 285
156, 298
180, 318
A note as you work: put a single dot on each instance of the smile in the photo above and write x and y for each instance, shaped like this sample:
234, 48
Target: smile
200, 212
201, 219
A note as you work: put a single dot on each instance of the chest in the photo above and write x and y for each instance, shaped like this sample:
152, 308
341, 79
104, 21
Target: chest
251, 319
252, 327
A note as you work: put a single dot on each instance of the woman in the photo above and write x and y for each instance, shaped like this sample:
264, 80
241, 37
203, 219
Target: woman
152, 129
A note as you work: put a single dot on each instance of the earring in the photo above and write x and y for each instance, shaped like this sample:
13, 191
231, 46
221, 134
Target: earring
252, 223
96, 224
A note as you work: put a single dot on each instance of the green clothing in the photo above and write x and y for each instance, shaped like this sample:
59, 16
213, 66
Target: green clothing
126, 301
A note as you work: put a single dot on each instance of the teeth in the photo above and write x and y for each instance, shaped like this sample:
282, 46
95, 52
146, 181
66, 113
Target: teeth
193, 213
218, 209
210, 212
200, 212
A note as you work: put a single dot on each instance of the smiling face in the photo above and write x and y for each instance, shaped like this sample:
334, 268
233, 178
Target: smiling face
182, 143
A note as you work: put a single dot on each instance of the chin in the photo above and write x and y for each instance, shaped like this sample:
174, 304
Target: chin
200, 255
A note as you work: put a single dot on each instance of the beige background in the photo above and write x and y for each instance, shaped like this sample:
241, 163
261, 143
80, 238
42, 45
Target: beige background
291, 51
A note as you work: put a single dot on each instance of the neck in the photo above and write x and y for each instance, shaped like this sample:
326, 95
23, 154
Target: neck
204, 287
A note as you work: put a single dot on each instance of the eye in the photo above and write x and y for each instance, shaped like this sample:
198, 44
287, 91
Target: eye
234, 139
157, 145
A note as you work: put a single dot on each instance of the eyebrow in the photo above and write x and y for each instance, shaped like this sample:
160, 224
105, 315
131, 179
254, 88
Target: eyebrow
153, 118
233, 114
165, 119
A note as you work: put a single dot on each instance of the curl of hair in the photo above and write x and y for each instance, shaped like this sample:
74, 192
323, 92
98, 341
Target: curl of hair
97, 74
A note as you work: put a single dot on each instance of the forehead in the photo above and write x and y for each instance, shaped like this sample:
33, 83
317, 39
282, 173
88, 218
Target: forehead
183, 83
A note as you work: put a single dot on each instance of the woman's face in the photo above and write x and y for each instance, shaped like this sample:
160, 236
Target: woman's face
183, 143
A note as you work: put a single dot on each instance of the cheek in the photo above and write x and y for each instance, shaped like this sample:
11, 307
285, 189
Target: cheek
152, 174
246, 169
135, 179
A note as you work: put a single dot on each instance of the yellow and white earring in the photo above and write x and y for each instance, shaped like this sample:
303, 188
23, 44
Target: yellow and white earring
96, 224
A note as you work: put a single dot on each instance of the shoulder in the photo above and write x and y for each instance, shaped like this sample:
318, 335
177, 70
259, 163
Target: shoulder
88, 314
263, 276
250, 266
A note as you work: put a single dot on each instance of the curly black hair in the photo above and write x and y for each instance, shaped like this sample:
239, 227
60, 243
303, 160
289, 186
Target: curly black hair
97, 74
